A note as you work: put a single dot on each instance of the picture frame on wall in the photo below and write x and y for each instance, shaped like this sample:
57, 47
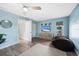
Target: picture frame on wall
59, 23
60, 28
46, 27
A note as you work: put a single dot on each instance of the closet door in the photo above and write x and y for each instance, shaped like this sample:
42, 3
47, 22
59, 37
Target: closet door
25, 30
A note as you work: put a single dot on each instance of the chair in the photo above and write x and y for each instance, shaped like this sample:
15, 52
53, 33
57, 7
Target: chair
63, 44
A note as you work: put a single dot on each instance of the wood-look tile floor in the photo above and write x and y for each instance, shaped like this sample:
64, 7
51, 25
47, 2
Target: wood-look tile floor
21, 47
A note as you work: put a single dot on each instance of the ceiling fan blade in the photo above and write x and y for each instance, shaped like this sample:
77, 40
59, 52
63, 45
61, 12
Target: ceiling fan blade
36, 7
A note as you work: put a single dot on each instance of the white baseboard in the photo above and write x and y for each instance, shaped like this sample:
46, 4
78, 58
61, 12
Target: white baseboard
2, 47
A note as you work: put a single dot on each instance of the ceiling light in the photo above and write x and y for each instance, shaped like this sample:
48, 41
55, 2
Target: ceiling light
25, 8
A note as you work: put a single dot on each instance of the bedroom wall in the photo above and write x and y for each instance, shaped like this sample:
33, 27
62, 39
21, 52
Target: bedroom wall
74, 27
53, 25
12, 34
34, 28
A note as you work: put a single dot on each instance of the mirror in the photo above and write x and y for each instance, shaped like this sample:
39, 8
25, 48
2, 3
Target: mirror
6, 24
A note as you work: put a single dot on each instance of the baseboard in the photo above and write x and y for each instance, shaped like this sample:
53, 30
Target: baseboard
9, 45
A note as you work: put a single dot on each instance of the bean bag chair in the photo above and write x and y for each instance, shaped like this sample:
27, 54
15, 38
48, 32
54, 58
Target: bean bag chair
63, 44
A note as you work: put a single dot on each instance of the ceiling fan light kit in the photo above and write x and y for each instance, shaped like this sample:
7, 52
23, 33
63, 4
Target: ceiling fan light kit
36, 8
31, 7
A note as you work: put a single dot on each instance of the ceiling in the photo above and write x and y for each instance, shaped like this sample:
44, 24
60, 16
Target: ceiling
48, 10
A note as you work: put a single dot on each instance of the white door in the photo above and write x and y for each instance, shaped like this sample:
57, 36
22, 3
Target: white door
25, 29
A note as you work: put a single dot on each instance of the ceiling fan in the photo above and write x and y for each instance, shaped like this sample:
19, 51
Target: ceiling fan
25, 7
